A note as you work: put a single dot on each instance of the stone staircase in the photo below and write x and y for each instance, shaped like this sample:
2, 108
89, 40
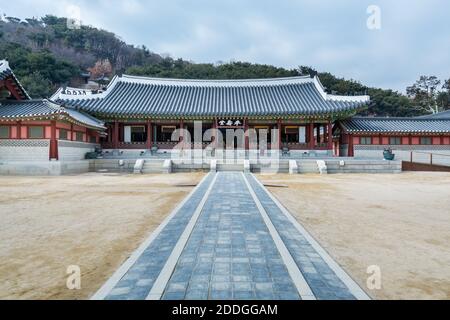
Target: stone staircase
230, 167
276, 167
307, 166
153, 166
304, 166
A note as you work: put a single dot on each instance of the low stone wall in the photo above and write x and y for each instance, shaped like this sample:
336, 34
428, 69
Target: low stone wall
24, 150
180, 167
363, 166
112, 165
43, 168
420, 152
74, 150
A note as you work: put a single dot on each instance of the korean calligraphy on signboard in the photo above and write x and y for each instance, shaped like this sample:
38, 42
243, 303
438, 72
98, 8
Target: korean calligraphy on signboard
230, 123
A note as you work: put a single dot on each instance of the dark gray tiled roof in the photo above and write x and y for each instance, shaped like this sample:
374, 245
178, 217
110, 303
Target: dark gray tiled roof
37, 109
157, 97
6, 72
440, 115
396, 125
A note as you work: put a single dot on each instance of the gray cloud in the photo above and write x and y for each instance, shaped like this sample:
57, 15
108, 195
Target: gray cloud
329, 35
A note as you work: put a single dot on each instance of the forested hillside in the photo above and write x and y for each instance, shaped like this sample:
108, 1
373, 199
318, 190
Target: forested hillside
46, 54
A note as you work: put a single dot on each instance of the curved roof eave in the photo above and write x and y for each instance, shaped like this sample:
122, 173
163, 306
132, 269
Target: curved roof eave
131, 95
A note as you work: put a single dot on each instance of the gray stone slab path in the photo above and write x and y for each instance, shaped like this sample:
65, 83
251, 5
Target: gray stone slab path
243, 245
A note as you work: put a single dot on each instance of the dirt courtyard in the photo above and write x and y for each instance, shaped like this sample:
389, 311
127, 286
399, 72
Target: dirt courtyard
94, 221
400, 223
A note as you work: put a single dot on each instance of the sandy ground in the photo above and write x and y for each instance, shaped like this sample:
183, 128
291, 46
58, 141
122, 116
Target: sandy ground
94, 221
400, 223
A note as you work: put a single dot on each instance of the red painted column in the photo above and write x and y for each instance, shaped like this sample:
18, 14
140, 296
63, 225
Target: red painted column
312, 142
182, 132
53, 142
149, 135
330, 135
72, 133
116, 135
109, 131
280, 126
350, 146
214, 133
246, 136
19, 129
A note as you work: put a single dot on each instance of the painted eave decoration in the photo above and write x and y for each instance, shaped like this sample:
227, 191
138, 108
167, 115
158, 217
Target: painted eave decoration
6, 74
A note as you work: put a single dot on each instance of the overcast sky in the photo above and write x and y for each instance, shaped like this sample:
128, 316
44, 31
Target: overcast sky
330, 35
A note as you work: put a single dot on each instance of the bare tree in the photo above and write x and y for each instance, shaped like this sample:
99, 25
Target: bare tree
102, 68
424, 94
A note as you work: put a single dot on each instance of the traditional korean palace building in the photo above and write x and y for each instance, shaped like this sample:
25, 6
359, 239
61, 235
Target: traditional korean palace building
138, 116
141, 113
367, 137
39, 130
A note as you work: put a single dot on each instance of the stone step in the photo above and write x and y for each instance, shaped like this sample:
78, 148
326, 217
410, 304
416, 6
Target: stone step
230, 167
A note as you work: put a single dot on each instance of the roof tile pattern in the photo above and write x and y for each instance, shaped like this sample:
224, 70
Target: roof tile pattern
30, 109
396, 125
134, 96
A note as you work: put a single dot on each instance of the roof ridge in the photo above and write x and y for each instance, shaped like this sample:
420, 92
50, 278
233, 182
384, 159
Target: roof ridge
125, 76
393, 118
9, 102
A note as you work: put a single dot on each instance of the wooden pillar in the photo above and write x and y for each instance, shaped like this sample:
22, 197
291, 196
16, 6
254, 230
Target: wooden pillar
149, 135
330, 135
53, 142
72, 133
280, 126
19, 130
312, 142
351, 151
214, 133
116, 135
182, 132
246, 134
318, 134
110, 133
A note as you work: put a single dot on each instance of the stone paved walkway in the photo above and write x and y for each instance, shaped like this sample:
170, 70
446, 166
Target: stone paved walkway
230, 239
